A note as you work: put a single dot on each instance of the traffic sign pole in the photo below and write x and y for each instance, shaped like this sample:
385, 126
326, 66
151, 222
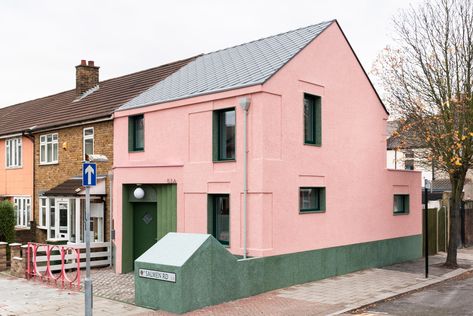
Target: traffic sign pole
88, 280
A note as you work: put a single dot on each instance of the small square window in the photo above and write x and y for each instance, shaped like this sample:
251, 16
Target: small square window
136, 133
401, 204
311, 199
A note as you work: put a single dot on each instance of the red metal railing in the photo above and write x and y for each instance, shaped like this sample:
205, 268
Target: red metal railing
55, 261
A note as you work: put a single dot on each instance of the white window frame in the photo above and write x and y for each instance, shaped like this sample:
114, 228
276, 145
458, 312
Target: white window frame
43, 146
22, 211
87, 137
43, 209
13, 153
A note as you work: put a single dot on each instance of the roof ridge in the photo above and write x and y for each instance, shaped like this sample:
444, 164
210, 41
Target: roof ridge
103, 81
271, 36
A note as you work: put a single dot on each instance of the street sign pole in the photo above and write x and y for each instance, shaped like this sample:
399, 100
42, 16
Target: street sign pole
88, 280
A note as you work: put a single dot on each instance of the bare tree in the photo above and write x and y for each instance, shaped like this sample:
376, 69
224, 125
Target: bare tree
428, 79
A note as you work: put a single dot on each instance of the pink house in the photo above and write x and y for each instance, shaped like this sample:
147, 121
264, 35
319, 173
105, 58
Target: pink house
286, 132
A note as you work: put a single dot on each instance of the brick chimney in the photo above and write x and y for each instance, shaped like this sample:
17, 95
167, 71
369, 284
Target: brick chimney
87, 76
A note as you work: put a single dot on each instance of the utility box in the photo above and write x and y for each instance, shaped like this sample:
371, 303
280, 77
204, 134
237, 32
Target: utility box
179, 274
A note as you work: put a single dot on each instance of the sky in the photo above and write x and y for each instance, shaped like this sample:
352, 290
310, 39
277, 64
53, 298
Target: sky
41, 42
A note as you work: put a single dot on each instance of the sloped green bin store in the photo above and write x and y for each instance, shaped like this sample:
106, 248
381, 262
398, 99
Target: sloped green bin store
183, 271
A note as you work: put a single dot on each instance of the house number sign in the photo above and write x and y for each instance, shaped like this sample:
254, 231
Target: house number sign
158, 275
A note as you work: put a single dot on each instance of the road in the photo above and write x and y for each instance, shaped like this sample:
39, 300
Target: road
453, 297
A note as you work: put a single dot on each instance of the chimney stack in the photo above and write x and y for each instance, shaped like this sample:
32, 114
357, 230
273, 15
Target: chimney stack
87, 76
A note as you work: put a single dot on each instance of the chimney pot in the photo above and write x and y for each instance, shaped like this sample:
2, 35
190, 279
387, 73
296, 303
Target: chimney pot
91, 63
83, 62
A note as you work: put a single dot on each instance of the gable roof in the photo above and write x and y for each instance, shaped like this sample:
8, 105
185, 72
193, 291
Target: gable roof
66, 108
231, 68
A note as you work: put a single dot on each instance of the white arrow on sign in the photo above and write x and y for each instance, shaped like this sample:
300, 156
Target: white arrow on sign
89, 171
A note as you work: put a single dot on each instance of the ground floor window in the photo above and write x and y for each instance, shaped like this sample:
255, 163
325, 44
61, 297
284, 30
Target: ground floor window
311, 199
401, 204
64, 218
219, 217
22, 210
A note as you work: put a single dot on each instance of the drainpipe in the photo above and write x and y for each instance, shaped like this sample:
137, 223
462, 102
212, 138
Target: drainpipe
29, 134
110, 174
245, 105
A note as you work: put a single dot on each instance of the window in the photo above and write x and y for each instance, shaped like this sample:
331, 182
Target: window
219, 217
23, 211
13, 153
312, 120
224, 134
409, 161
48, 149
88, 142
136, 133
43, 211
401, 204
311, 199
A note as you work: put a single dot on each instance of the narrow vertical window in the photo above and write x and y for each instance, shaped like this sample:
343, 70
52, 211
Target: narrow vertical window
224, 133
312, 120
136, 133
219, 217
88, 142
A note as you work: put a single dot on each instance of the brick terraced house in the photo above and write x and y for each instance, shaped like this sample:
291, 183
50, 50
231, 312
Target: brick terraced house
45, 142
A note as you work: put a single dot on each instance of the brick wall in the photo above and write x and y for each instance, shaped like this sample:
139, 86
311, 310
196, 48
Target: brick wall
70, 157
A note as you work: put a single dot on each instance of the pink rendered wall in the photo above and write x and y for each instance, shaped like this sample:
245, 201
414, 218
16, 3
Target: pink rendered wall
350, 163
17, 181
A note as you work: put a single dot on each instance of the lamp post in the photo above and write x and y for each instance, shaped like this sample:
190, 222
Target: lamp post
89, 179
427, 186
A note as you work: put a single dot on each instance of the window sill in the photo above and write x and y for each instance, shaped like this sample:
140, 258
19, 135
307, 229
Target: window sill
400, 214
311, 211
42, 227
48, 163
224, 160
313, 144
136, 151
22, 228
14, 167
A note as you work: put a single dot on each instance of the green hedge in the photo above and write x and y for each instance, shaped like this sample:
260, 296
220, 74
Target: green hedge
7, 221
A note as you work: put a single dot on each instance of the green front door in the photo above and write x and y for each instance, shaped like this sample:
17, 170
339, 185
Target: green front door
144, 227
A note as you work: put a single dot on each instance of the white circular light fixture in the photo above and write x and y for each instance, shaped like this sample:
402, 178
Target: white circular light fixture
139, 193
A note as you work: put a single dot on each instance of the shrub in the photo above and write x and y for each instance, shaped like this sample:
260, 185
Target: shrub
7, 221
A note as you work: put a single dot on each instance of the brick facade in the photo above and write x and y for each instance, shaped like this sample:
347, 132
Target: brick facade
70, 157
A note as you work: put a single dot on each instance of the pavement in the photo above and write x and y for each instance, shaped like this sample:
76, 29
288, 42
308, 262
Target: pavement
332, 296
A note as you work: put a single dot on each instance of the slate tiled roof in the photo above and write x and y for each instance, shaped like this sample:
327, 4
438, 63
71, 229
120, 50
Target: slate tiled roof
235, 67
63, 108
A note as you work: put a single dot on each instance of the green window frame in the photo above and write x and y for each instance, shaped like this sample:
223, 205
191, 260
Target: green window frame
401, 204
219, 217
224, 135
312, 120
311, 199
136, 133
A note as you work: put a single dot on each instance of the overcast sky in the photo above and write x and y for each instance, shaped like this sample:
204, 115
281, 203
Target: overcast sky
42, 41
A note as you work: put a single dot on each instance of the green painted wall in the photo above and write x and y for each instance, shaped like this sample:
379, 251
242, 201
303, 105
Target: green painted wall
212, 275
167, 209
165, 197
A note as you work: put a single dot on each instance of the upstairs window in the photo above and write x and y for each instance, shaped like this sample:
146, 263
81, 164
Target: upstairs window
13, 152
311, 199
88, 142
401, 204
409, 162
312, 120
48, 147
224, 134
136, 133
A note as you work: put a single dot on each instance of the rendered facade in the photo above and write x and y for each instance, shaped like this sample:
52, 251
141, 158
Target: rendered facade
316, 171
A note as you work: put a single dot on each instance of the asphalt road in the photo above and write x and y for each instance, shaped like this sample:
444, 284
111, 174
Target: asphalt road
453, 297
